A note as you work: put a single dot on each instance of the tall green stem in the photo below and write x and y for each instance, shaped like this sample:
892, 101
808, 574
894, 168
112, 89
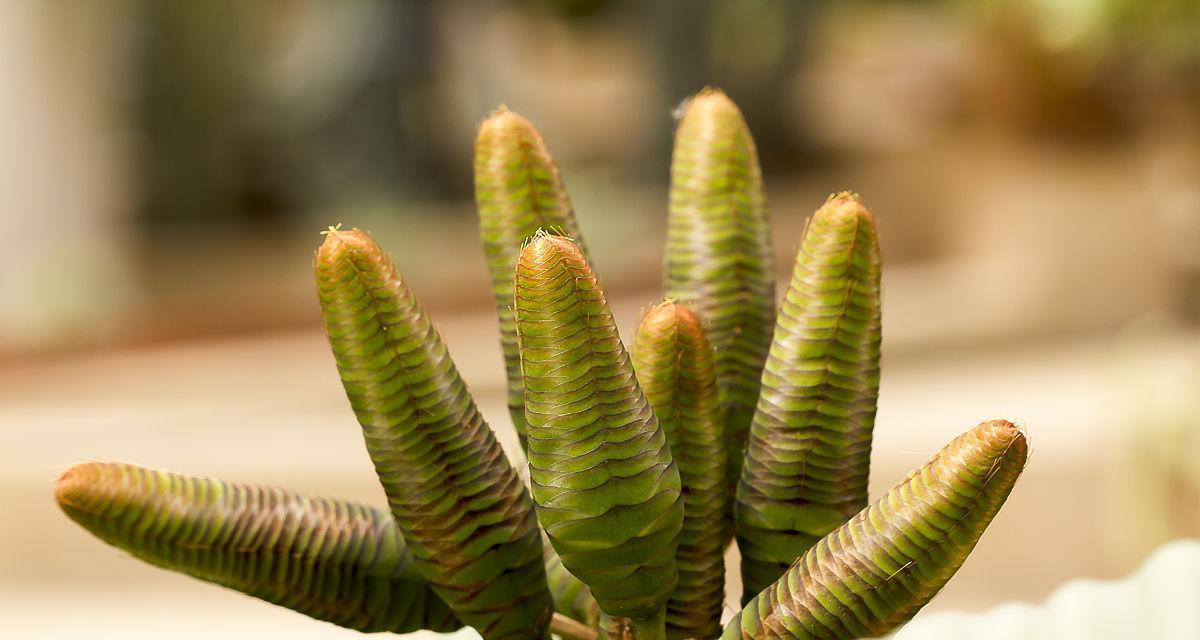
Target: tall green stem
462, 508
674, 364
606, 486
518, 190
809, 451
719, 259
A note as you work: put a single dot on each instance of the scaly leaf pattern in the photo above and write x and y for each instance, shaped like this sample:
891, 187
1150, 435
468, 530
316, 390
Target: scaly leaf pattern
462, 508
719, 259
606, 488
809, 450
674, 365
332, 560
518, 190
876, 571
572, 598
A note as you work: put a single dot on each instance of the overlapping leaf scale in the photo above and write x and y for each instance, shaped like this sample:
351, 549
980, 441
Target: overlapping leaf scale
719, 259
674, 365
461, 507
809, 450
606, 488
518, 190
876, 571
332, 560
572, 598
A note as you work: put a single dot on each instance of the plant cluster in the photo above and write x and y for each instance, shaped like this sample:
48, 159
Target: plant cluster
726, 418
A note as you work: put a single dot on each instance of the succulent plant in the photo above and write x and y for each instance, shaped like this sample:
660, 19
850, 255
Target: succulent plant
619, 522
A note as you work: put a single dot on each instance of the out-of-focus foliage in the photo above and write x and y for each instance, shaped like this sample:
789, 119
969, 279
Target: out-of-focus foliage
1166, 29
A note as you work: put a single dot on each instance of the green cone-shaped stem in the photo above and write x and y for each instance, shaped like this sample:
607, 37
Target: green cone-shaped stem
518, 190
674, 365
606, 487
809, 449
332, 560
874, 572
719, 259
462, 508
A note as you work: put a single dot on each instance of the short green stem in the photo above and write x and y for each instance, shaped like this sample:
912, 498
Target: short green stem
652, 628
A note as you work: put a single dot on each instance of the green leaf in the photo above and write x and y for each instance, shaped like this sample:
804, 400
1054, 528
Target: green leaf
809, 449
719, 259
462, 508
606, 487
675, 368
876, 571
518, 190
332, 560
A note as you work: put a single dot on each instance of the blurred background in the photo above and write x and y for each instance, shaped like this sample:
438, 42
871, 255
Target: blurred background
166, 167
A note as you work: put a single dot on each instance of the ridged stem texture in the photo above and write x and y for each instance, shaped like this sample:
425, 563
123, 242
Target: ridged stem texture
876, 571
518, 190
809, 450
462, 508
674, 364
606, 488
719, 259
332, 560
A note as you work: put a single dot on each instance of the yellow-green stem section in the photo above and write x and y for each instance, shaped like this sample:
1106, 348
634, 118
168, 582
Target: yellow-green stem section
719, 259
809, 450
674, 364
462, 508
518, 190
606, 486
